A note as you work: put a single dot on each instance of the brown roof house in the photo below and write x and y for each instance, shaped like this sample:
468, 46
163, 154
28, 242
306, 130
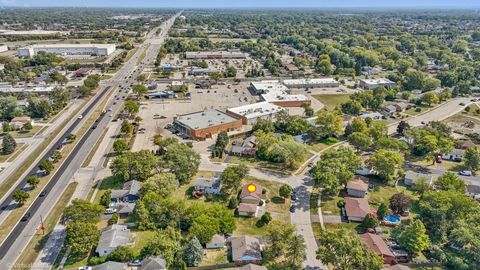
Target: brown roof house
245, 250
377, 245
357, 186
356, 208
251, 197
248, 267
250, 201
19, 121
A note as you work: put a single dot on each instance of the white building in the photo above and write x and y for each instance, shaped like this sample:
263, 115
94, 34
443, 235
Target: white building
374, 83
215, 55
31, 32
3, 48
311, 83
273, 91
252, 112
68, 49
112, 237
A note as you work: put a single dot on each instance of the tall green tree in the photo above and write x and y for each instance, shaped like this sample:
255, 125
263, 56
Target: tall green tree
193, 254
134, 165
82, 211
413, 237
450, 181
81, 236
20, 196
8, 144
385, 164
345, 251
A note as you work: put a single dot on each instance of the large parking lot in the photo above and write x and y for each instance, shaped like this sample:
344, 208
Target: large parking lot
219, 97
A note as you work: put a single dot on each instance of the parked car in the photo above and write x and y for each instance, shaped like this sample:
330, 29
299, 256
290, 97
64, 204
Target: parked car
293, 197
110, 210
465, 173
292, 209
135, 263
438, 159
461, 104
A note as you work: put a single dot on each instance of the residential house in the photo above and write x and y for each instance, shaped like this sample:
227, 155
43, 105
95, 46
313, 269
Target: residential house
357, 186
473, 191
402, 106
248, 148
130, 192
124, 209
412, 178
245, 250
377, 245
110, 266
248, 267
208, 185
454, 155
373, 115
154, 263
364, 171
389, 109
251, 197
19, 121
112, 237
218, 241
247, 209
356, 208
464, 144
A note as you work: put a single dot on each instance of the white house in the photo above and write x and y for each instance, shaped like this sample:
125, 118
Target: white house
454, 155
411, 178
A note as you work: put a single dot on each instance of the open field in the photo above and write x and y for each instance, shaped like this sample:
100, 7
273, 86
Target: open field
331, 101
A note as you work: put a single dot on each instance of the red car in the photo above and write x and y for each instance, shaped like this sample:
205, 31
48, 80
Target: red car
439, 159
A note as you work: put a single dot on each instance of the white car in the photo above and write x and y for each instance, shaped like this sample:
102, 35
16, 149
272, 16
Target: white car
80, 116
110, 210
85, 268
465, 173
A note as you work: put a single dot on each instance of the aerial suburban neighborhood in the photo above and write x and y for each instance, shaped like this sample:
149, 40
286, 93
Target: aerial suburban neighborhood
239, 136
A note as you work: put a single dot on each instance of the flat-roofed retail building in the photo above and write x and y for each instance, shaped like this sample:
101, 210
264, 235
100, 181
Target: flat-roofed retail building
205, 124
67, 49
252, 112
215, 55
374, 83
312, 83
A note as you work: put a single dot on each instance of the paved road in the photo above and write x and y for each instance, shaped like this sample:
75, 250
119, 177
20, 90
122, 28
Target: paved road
19, 237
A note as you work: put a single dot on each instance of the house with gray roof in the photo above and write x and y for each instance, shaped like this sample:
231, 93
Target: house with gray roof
125, 208
245, 250
218, 241
130, 192
249, 266
208, 185
247, 148
110, 266
154, 263
411, 178
112, 237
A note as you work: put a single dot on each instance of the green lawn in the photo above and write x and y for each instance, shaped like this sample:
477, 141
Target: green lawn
329, 203
26, 133
319, 146
382, 192
214, 256
111, 182
331, 101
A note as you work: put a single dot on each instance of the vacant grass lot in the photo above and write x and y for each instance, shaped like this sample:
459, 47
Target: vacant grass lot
331, 101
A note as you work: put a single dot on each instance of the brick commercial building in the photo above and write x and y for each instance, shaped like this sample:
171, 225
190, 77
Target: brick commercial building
204, 124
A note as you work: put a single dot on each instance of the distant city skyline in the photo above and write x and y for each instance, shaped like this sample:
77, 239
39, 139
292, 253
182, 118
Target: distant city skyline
248, 3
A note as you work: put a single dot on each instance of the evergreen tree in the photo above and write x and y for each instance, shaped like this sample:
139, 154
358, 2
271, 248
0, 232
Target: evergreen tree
194, 252
8, 144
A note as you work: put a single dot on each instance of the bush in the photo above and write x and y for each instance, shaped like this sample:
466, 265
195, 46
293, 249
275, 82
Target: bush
418, 109
232, 203
341, 203
113, 219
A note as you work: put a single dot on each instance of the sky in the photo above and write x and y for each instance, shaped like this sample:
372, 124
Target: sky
247, 3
